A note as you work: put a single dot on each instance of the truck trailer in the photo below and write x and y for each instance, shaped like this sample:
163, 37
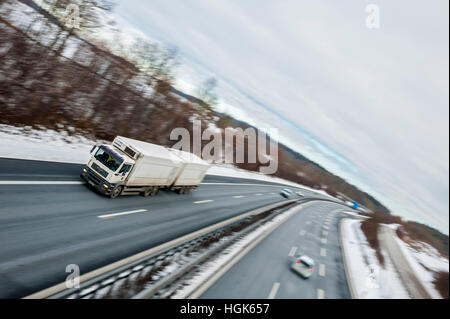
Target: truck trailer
129, 166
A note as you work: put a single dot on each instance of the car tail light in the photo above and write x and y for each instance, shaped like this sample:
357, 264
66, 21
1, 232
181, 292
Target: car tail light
297, 261
311, 269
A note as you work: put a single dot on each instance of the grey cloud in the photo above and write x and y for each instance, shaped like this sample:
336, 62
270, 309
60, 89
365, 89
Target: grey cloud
377, 97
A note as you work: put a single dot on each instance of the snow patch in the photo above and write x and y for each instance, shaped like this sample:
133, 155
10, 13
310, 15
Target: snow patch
58, 146
425, 261
231, 171
46, 145
370, 280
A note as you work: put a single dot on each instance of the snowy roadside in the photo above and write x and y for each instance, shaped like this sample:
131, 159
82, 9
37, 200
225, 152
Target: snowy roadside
425, 261
231, 171
369, 279
43, 145
59, 146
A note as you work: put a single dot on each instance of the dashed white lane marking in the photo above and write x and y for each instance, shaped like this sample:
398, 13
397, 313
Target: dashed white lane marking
238, 196
322, 270
203, 201
122, 213
302, 233
326, 227
325, 233
308, 222
323, 252
320, 294
292, 251
259, 194
274, 290
324, 240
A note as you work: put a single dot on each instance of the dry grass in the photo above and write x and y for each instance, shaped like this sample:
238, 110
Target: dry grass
441, 283
370, 230
411, 232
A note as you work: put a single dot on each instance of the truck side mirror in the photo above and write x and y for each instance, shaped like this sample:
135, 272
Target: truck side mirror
93, 148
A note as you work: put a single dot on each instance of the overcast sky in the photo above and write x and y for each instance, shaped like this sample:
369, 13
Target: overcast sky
371, 105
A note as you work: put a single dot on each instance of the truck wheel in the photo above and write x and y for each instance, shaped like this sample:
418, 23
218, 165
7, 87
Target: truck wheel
187, 190
116, 192
154, 191
147, 192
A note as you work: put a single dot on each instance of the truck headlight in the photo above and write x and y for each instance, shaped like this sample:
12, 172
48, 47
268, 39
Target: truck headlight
105, 186
84, 170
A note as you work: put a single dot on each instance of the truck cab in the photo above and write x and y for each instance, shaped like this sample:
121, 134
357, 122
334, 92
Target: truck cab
107, 168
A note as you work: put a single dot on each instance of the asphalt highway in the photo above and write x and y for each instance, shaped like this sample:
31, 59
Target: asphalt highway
49, 219
264, 272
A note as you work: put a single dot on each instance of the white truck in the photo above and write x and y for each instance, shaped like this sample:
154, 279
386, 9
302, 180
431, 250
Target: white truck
129, 166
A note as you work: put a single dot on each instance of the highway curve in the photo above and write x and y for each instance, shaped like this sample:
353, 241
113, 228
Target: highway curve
264, 272
45, 227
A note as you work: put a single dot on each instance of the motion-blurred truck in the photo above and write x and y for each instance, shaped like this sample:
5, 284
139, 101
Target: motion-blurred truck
129, 166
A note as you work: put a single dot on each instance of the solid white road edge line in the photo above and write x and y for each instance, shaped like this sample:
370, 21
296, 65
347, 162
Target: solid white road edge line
81, 182
41, 183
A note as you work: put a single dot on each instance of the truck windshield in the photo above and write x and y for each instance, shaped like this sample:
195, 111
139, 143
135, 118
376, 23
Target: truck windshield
108, 158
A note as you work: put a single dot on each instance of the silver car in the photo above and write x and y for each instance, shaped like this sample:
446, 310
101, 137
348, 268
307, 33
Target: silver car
304, 266
286, 193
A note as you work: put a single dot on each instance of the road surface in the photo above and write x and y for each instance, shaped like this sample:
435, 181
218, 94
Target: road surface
265, 271
45, 227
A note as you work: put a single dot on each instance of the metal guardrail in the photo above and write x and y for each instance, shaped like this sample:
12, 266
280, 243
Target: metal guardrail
158, 288
137, 267
148, 260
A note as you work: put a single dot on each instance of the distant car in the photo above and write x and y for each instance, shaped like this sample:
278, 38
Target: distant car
300, 194
304, 266
286, 193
